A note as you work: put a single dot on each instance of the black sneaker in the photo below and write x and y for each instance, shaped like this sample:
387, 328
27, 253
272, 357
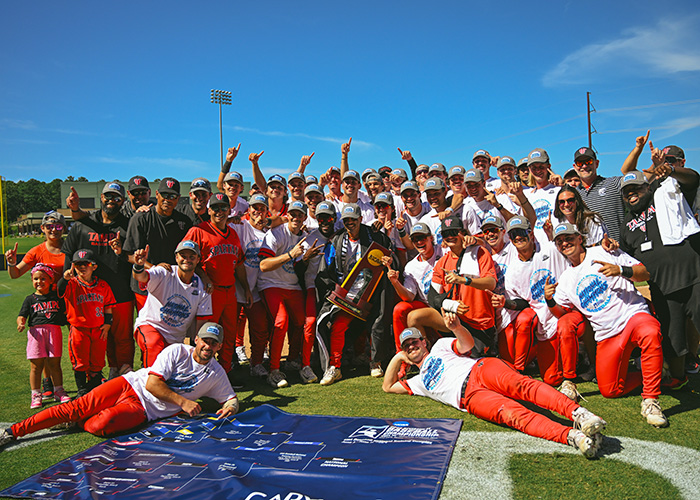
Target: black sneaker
47, 386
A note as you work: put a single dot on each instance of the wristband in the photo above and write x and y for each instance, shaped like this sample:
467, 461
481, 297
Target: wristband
469, 280
108, 318
290, 256
226, 167
626, 271
551, 302
449, 209
12, 265
232, 403
138, 268
499, 207
450, 305
402, 232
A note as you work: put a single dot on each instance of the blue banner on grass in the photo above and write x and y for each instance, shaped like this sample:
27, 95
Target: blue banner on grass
263, 453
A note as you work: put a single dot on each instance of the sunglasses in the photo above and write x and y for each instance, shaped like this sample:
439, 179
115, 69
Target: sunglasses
54, 227
568, 239
139, 192
580, 163
567, 201
322, 219
385, 175
671, 160
419, 238
113, 197
409, 194
219, 208
491, 230
169, 196
421, 172
518, 234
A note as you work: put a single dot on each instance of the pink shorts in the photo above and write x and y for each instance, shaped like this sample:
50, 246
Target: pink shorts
44, 341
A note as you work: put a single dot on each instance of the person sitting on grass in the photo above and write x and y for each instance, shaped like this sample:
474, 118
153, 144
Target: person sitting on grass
44, 313
488, 388
180, 376
89, 302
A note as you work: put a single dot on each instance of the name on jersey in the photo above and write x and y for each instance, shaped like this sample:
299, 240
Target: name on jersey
223, 249
89, 297
640, 222
100, 239
48, 307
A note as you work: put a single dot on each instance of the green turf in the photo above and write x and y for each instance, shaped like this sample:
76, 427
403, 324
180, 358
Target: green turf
534, 476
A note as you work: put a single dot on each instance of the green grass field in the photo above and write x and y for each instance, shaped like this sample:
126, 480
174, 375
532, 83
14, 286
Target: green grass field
551, 474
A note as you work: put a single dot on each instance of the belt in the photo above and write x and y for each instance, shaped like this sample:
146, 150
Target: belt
462, 401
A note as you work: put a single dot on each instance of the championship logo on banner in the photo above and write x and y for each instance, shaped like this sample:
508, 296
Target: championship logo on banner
263, 453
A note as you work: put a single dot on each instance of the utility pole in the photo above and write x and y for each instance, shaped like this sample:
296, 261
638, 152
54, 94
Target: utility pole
221, 97
588, 114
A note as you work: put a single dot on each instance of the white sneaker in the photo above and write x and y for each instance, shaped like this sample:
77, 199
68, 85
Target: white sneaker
242, 358
568, 389
307, 375
588, 422
588, 446
652, 411
277, 379
259, 371
331, 375
375, 370
5, 437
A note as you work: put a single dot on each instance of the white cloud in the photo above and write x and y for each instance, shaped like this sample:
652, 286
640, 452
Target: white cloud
334, 140
666, 48
20, 124
144, 161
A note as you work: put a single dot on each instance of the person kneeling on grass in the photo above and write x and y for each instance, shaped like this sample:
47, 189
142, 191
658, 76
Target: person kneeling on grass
181, 375
488, 388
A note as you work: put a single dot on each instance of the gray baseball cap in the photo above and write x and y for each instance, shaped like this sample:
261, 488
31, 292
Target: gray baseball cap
434, 183
114, 187
420, 228
410, 333
410, 185
313, 188
456, 170
565, 228
299, 206
188, 245
325, 207
505, 160
351, 211
492, 220
473, 175
481, 152
211, 330
351, 174
518, 222
437, 167
537, 155
635, 178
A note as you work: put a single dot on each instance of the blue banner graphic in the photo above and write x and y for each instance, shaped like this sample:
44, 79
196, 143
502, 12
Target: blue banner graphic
261, 454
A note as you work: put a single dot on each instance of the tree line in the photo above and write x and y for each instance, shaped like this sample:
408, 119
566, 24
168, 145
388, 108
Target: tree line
22, 197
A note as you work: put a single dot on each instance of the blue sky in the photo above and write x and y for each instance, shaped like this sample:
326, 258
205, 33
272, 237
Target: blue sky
109, 90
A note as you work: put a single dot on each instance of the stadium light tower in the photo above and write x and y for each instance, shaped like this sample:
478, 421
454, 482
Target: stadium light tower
221, 97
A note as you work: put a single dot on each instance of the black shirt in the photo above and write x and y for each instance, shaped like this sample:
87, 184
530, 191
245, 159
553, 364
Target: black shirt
92, 233
672, 267
186, 208
44, 310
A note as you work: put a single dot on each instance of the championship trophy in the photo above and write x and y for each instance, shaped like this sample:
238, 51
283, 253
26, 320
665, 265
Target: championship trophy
354, 295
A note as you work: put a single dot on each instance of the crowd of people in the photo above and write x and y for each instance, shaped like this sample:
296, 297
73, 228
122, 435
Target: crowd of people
505, 276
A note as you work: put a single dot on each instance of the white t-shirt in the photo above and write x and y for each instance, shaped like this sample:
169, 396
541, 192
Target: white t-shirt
366, 209
183, 375
526, 281
279, 241
310, 223
171, 305
503, 261
607, 302
442, 374
484, 209
492, 183
251, 240
470, 219
418, 274
433, 222
240, 208
542, 201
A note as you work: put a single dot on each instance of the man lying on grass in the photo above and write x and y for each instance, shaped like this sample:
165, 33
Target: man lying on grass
488, 388
180, 375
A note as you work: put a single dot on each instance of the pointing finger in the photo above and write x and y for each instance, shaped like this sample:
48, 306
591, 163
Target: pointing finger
312, 155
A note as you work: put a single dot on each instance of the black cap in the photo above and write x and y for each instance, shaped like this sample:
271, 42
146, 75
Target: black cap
169, 186
84, 255
452, 222
674, 151
138, 182
588, 152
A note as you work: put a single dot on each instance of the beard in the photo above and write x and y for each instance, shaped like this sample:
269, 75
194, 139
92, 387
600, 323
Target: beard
110, 210
641, 205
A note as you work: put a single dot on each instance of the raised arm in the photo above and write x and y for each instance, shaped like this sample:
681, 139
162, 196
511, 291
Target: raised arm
226, 167
258, 177
344, 150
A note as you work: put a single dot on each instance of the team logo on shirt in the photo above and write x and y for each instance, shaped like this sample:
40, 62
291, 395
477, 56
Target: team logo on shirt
175, 311
500, 277
537, 281
182, 385
252, 259
542, 209
593, 293
426, 280
431, 372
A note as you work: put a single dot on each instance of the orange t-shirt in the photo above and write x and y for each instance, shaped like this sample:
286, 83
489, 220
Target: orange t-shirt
481, 314
41, 254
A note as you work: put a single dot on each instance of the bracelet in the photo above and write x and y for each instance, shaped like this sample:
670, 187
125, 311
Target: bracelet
469, 280
402, 232
12, 265
226, 167
138, 268
626, 272
290, 256
551, 302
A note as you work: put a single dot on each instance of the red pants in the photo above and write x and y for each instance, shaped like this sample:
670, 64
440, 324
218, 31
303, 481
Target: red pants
309, 327
400, 316
516, 342
558, 356
109, 408
140, 301
287, 310
86, 349
258, 330
151, 343
613, 354
493, 389
339, 328
225, 312
120, 340
240, 325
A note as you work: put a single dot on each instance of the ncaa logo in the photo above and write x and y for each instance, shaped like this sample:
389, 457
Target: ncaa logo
115, 186
214, 330
481, 152
535, 154
629, 177
169, 183
471, 174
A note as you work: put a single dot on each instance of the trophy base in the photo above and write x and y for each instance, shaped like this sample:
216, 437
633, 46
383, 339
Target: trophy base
360, 309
